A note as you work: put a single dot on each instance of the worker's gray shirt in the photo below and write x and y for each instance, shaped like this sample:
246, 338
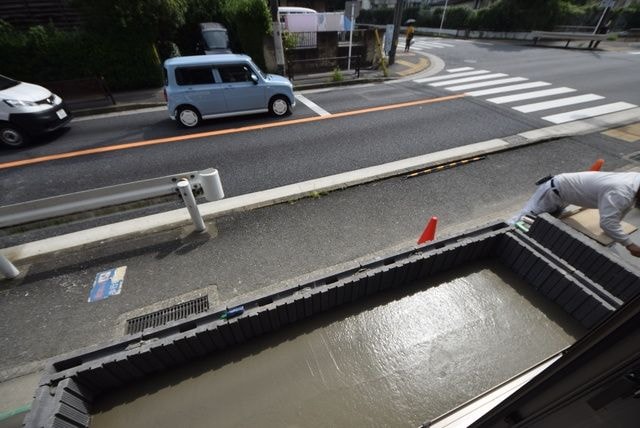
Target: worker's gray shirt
613, 194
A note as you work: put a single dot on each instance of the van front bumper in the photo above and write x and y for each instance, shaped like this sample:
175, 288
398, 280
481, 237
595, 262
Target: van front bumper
42, 122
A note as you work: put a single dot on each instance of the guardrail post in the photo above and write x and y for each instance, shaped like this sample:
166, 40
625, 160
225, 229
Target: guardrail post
7, 268
190, 201
211, 184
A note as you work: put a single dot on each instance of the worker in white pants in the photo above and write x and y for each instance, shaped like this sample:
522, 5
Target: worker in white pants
613, 194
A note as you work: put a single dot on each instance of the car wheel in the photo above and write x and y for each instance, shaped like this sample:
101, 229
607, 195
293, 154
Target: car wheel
12, 136
188, 117
279, 106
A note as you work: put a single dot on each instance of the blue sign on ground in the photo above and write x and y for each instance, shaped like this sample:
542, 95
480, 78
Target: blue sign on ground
107, 283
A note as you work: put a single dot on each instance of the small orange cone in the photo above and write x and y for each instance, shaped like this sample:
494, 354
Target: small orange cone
429, 232
597, 166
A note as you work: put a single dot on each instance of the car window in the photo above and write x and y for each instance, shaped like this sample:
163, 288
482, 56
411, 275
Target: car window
194, 76
215, 39
235, 73
6, 82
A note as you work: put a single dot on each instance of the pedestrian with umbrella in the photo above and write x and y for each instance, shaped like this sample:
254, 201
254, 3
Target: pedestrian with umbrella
410, 32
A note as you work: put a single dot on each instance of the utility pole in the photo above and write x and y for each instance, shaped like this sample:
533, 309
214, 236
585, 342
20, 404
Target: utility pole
277, 36
397, 21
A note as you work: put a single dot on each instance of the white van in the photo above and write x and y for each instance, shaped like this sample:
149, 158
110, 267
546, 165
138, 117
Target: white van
28, 110
212, 86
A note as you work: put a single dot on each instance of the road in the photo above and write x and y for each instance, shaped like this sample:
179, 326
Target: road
250, 158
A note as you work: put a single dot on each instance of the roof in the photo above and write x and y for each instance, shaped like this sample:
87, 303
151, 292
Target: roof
206, 59
207, 26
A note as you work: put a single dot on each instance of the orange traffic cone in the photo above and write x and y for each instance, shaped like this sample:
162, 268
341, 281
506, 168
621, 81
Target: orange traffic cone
597, 165
429, 232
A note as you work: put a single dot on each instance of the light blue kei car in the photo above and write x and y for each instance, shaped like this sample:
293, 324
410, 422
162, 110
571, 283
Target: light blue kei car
211, 86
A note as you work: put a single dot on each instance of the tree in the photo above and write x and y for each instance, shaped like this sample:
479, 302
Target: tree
151, 19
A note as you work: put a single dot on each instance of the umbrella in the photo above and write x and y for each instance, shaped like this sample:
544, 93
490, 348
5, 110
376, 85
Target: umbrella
410, 21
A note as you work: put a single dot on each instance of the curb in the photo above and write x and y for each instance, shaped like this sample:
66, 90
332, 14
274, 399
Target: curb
211, 210
115, 108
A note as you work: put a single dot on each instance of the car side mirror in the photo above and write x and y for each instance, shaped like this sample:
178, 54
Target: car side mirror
254, 78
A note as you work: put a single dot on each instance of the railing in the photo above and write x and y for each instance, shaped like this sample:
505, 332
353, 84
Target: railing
206, 182
305, 40
185, 184
574, 28
321, 65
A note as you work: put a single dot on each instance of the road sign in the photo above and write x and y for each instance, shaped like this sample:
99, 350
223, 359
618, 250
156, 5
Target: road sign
349, 6
607, 3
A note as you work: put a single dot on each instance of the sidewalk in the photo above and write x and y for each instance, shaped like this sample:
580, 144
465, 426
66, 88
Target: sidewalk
406, 64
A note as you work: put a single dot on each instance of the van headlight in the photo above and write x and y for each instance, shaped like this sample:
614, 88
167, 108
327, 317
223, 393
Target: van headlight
20, 103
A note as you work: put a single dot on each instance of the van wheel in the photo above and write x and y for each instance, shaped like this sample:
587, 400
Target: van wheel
188, 117
12, 136
279, 106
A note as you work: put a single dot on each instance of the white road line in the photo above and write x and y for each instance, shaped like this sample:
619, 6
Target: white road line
426, 46
458, 70
451, 76
530, 95
546, 105
444, 44
119, 113
485, 84
313, 106
468, 79
510, 88
634, 53
588, 112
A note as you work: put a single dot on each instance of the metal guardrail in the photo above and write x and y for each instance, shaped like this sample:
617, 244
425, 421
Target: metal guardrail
185, 184
326, 64
41, 209
568, 37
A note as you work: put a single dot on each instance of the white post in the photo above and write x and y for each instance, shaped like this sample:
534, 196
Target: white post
7, 268
353, 18
444, 12
211, 184
190, 201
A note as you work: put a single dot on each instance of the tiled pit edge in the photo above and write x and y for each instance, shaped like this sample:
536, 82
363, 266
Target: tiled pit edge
66, 391
614, 275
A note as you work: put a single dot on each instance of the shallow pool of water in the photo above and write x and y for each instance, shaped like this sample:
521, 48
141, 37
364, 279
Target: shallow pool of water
398, 359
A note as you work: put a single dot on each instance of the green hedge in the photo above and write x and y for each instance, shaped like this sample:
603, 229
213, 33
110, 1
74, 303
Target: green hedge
44, 54
249, 21
129, 52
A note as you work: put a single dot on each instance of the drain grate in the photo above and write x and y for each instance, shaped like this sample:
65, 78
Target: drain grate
163, 316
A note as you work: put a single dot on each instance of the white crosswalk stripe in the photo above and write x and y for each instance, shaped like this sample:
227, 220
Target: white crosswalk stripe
485, 84
588, 112
468, 79
458, 70
546, 105
530, 95
451, 76
510, 88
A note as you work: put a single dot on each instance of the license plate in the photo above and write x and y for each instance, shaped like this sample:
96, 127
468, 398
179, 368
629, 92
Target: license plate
61, 114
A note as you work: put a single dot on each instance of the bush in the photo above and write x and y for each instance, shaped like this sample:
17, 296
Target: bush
44, 54
250, 21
